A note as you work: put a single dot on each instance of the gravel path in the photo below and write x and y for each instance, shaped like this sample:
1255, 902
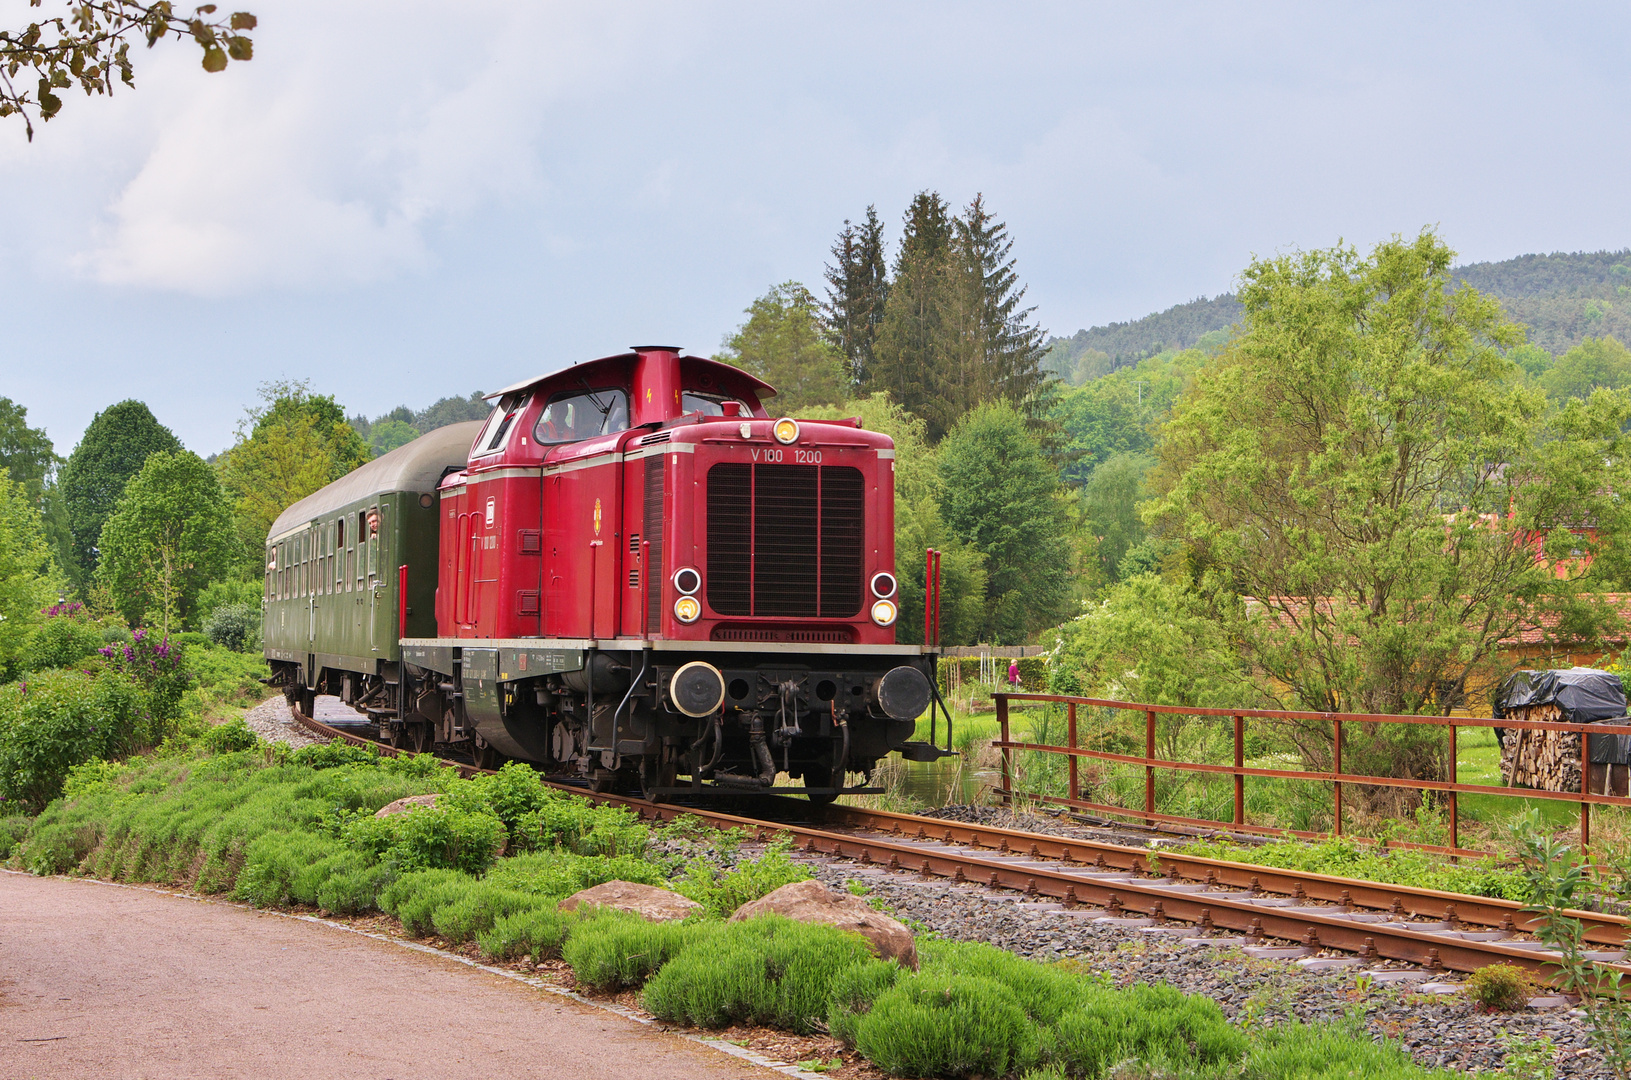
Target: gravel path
272, 721
1439, 1029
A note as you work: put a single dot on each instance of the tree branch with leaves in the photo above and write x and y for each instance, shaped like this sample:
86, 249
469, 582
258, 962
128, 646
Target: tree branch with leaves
90, 47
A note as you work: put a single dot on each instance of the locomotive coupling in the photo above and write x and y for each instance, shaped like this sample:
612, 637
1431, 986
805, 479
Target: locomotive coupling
697, 689
902, 693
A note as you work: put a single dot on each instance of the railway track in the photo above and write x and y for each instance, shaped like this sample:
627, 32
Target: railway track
1219, 901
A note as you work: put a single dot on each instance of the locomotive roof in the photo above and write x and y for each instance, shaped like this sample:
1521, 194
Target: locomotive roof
760, 387
418, 466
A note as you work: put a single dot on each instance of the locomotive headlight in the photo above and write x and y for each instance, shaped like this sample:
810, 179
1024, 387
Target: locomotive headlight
687, 580
786, 431
884, 612
883, 584
687, 609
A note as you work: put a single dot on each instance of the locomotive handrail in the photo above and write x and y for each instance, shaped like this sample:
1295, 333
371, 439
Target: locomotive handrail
1585, 797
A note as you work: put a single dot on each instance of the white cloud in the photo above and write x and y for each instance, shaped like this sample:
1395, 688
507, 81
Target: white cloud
324, 161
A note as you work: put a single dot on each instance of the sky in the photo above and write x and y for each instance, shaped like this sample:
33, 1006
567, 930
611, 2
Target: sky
402, 201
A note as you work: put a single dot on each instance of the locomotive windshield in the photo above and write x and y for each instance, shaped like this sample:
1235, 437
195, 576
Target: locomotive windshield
709, 404
583, 414
497, 432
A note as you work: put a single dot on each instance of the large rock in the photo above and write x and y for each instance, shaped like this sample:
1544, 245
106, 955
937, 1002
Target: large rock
402, 806
812, 902
647, 901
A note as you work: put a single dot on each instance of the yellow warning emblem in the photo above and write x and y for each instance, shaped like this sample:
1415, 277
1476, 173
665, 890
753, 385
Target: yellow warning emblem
648, 393
597, 517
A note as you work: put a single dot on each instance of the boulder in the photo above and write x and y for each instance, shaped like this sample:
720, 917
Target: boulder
812, 902
402, 806
647, 901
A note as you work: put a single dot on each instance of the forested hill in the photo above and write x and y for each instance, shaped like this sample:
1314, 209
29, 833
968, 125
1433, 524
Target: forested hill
1561, 297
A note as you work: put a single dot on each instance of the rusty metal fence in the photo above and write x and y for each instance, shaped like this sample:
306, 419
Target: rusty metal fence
1074, 752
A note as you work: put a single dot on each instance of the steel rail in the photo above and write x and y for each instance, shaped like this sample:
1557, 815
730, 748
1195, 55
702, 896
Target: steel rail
1114, 881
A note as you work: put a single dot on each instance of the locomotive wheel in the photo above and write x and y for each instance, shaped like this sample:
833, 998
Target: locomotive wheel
655, 774
818, 776
419, 737
391, 733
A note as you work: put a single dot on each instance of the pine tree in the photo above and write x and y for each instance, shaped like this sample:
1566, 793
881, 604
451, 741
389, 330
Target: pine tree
1006, 345
857, 292
908, 352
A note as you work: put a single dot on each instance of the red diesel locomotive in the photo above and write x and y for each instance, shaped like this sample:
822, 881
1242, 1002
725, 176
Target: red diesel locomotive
634, 574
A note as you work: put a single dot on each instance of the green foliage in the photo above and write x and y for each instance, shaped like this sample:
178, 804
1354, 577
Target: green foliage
1119, 413
853, 991
28, 578
25, 453
430, 837
1093, 354
1110, 508
1156, 1024
1044, 992
1000, 495
113, 449
538, 932
953, 335
857, 293
229, 738
477, 909
947, 1025
1331, 1052
390, 434
722, 892
537, 817
769, 970
611, 949
558, 874
1369, 862
289, 446
60, 641
414, 898
782, 343
13, 828
58, 719
234, 626
169, 535
282, 868
1595, 363
1312, 465
223, 679
1499, 987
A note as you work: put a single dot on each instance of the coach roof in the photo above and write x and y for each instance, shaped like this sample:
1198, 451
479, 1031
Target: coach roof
418, 466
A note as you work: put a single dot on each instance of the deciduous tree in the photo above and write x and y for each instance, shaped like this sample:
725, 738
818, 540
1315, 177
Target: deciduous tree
113, 449
1595, 363
29, 580
170, 535
289, 446
781, 342
89, 46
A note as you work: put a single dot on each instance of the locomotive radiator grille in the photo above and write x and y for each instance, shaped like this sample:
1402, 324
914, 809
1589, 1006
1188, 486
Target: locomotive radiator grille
786, 541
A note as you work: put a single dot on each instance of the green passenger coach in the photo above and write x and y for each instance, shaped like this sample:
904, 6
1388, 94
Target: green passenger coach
334, 563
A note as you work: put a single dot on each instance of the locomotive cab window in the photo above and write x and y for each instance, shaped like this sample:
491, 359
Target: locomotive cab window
497, 432
710, 404
582, 414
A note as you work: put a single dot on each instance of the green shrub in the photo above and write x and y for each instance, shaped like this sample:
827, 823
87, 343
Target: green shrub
559, 874
413, 898
611, 949
12, 831
229, 738
580, 826
291, 867
61, 641
332, 755
349, 891
234, 626
92, 776
947, 1025
853, 991
723, 892
55, 720
1500, 987
768, 970
477, 909
1045, 993
1155, 1024
1331, 1052
535, 931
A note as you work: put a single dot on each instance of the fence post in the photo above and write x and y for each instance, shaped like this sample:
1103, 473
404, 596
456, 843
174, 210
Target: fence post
1070, 741
1455, 822
1336, 825
1007, 754
1149, 770
1585, 787
1240, 763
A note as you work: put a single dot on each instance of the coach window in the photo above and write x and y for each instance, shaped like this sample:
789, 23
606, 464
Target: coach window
582, 414
362, 538
497, 432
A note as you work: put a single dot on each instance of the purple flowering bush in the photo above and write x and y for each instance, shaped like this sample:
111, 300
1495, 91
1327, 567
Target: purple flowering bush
154, 663
65, 638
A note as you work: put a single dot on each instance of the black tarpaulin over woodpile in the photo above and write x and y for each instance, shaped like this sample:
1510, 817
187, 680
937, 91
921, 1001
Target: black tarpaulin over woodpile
1580, 695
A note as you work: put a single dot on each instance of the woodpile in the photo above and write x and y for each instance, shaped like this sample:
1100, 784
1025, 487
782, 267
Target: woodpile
1545, 760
